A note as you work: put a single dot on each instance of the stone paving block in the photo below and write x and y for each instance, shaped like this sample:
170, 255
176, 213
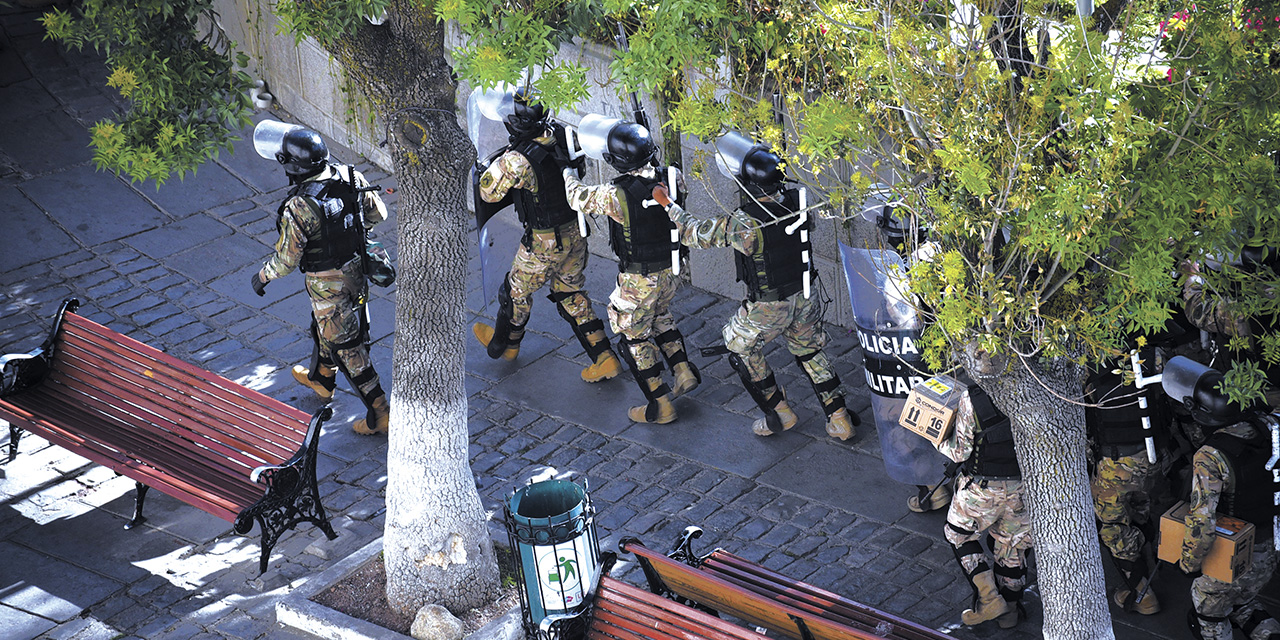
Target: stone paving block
66, 191
596, 406
209, 186
34, 583
46, 142
16, 624
33, 236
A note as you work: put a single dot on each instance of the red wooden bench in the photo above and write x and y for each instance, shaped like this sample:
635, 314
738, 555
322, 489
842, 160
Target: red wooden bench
734, 586
205, 440
619, 611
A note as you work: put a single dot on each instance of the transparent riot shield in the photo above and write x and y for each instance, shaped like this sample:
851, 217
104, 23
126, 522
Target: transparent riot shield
485, 111
889, 334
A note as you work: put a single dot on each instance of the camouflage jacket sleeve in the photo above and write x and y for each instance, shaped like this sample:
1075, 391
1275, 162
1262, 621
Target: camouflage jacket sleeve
297, 222
1209, 313
510, 171
720, 231
959, 445
598, 200
1209, 475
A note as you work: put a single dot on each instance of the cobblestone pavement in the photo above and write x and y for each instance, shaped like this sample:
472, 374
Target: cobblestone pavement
171, 267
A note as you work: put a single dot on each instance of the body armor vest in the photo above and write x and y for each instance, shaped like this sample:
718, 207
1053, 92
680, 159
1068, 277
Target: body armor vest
775, 271
1116, 426
1251, 497
993, 456
548, 208
643, 245
340, 236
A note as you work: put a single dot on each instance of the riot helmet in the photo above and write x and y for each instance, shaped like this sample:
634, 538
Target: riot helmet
755, 165
303, 153
625, 146
528, 119
1195, 386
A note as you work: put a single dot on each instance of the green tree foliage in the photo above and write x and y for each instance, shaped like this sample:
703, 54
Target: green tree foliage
171, 62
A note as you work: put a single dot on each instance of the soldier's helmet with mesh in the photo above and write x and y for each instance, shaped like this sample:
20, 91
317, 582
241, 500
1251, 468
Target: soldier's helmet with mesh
630, 147
529, 119
303, 153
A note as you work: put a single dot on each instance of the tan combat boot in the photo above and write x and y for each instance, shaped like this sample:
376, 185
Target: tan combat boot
686, 379
326, 374
381, 419
840, 425
484, 333
666, 412
991, 604
941, 497
785, 415
1147, 606
606, 365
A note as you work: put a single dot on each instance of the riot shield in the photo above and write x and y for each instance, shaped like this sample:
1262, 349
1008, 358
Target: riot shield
889, 333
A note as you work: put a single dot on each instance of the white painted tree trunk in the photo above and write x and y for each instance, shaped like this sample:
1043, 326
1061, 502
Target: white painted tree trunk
1049, 436
436, 543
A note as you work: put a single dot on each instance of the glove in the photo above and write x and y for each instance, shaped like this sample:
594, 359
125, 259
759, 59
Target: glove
661, 194
259, 285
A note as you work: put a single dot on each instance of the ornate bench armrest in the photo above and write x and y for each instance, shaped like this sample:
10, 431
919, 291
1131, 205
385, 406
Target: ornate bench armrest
21, 370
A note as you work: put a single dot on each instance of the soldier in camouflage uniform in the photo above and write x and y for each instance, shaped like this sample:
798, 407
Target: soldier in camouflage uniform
640, 234
323, 224
1230, 477
1124, 476
988, 497
552, 248
770, 254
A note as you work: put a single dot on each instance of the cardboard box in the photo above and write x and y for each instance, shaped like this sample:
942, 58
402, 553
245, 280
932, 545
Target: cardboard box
1231, 554
931, 407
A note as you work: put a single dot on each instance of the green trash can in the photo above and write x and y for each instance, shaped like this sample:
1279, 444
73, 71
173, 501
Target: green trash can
551, 526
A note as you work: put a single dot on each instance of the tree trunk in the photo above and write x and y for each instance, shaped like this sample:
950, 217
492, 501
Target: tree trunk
436, 543
1049, 436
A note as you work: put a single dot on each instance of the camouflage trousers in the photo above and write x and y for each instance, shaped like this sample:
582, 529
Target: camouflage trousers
798, 320
338, 297
562, 266
996, 509
1236, 601
1121, 502
640, 308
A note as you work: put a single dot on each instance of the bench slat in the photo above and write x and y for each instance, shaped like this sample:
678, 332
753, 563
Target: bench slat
231, 391
719, 594
802, 595
628, 613
150, 407
125, 443
285, 431
225, 506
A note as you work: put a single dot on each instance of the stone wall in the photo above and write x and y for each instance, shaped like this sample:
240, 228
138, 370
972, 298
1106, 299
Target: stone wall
308, 83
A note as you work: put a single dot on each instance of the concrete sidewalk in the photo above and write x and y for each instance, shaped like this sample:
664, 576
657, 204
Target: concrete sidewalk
171, 267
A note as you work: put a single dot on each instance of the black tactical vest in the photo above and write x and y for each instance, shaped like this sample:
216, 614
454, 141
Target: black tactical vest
548, 208
1116, 426
993, 456
340, 236
643, 245
1251, 497
776, 270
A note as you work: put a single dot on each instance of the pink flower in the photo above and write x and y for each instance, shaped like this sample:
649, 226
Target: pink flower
1169, 74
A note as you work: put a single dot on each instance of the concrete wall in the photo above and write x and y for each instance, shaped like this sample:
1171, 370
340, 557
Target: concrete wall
306, 82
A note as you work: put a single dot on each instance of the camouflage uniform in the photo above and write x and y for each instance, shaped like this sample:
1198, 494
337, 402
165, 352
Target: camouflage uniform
338, 296
555, 255
640, 305
1220, 604
1121, 488
797, 318
986, 505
